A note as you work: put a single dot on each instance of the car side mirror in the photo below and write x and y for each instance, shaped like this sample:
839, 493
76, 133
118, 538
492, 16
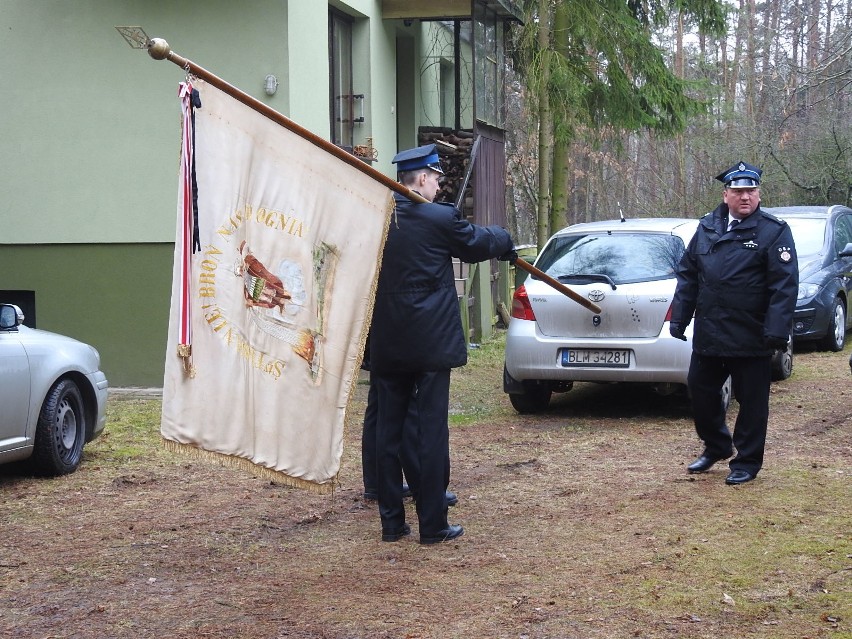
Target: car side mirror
847, 250
12, 317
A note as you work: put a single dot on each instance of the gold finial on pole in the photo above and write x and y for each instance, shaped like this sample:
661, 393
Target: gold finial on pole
158, 49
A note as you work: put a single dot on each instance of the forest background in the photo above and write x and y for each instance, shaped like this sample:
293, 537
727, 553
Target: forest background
631, 108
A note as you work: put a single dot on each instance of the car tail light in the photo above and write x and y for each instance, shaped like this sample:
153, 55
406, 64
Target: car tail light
669, 313
521, 308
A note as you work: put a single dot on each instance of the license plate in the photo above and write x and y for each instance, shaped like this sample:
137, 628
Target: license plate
596, 357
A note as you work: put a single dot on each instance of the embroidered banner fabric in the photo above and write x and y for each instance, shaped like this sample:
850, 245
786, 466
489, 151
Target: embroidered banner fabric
280, 294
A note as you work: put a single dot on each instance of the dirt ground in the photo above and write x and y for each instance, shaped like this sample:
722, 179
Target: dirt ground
580, 522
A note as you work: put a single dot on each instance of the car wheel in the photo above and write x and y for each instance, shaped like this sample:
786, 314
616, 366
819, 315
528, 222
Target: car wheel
534, 399
836, 335
782, 362
61, 431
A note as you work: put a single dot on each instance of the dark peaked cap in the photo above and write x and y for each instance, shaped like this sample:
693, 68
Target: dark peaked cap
740, 176
422, 157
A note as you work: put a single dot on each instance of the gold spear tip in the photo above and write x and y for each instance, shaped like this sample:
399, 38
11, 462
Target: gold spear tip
159, 49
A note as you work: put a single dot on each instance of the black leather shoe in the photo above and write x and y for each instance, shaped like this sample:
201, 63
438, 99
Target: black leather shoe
738, 477
702, 464
396, 535
447, 534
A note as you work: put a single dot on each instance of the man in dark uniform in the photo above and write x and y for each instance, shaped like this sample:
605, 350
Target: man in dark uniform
739, 278
416, 337
408, 459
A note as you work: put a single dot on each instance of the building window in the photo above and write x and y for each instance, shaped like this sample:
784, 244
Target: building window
490, 80
447, 74
342, 107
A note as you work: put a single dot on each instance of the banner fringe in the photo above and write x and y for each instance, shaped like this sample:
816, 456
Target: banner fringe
249, 466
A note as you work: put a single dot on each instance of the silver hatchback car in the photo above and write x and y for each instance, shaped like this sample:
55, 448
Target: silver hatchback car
627, 267
52, 396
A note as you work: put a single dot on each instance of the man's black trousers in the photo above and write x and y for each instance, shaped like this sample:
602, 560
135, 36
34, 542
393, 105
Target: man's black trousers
395, 392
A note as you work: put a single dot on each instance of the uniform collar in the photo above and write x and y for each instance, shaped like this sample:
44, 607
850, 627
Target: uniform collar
718, 220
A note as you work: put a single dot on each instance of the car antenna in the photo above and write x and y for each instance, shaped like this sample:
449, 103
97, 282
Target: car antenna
620, 212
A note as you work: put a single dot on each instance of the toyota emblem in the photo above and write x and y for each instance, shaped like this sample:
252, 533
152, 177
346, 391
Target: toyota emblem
596, 295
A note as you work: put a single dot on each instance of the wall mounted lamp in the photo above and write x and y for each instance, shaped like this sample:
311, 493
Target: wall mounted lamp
270, 84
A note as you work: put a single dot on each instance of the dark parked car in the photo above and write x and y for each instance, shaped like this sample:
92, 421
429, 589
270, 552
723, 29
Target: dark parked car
823, 236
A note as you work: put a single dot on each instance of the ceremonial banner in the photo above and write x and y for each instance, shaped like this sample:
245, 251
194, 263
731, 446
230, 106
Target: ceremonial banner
269, 318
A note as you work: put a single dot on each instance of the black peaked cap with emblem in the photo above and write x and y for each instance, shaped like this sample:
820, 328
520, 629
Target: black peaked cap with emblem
421, 157
741, 176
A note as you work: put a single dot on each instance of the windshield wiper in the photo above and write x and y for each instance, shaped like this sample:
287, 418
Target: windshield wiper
588, 277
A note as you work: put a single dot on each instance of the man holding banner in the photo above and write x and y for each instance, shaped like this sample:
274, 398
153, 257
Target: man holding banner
416, 338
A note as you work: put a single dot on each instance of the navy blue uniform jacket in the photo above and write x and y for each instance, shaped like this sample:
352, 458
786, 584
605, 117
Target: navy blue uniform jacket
741, 285
416, 323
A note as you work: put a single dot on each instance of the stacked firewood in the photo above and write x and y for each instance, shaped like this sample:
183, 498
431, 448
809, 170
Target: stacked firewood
454, 150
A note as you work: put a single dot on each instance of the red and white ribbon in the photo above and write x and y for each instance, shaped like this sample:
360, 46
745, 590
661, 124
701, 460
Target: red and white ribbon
186, 226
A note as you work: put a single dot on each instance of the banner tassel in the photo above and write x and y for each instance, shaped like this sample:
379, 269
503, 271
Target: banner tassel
189, 222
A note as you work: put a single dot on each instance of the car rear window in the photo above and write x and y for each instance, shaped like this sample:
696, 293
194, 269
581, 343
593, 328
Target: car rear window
623, 257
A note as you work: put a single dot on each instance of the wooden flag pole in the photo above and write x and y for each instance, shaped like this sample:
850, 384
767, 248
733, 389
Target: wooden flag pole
159, 49
559, 286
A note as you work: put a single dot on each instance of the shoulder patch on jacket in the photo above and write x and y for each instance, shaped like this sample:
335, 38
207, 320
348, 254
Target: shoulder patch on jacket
772, 218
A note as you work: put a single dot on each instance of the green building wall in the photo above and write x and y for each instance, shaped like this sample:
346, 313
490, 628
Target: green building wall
112, 296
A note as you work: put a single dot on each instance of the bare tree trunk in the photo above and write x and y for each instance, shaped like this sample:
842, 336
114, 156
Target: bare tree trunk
771, 16
679, 71
734, 79
580, 210
749, 64
795, 37
545, 124
561, 147
813, 48
813, 39
723, 62
653, 166
829, 13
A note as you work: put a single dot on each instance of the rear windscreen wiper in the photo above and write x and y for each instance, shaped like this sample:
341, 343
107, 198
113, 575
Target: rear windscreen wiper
587, 277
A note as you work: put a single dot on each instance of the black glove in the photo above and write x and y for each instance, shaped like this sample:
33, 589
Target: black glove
676, 331
509, 256
776, 343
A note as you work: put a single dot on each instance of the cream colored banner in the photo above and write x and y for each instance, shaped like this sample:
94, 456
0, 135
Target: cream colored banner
281, 296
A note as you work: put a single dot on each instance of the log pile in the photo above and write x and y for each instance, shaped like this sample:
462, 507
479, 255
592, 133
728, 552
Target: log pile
454, 150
